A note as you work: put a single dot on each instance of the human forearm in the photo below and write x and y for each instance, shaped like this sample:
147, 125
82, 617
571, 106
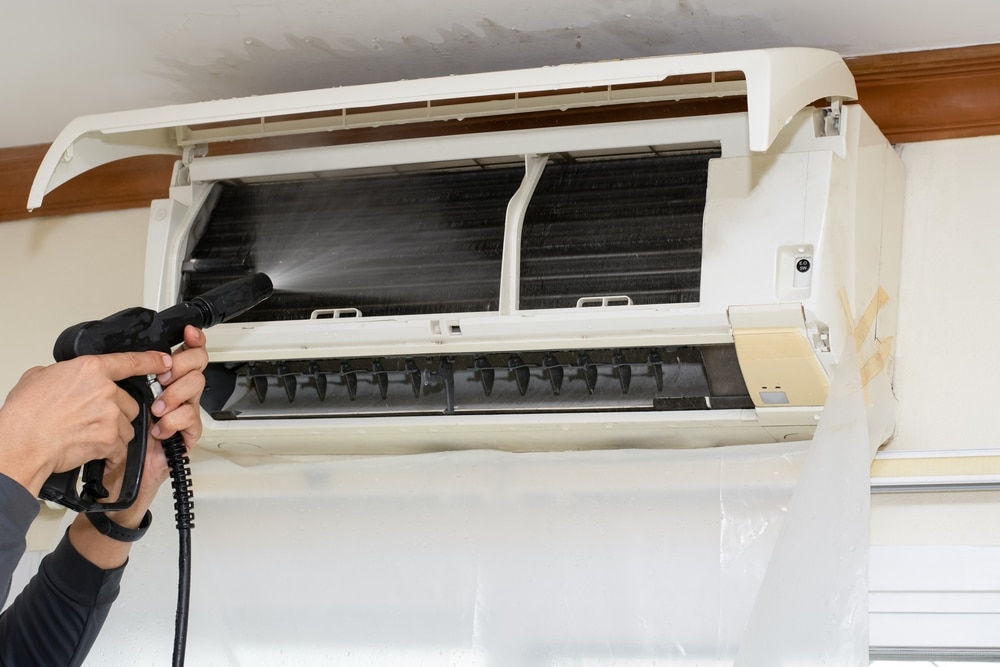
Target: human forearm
56, 618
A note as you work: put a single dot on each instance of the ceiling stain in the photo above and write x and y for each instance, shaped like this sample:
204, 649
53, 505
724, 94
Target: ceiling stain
260, 65
147, 54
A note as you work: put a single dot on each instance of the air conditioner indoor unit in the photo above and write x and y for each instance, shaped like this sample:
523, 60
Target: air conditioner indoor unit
659, 252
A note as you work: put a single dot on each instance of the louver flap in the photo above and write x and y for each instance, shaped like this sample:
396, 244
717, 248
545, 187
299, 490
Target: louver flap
777, 83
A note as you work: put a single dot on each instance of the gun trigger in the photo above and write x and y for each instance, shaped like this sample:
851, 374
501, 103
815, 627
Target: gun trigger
93, 481
96, 490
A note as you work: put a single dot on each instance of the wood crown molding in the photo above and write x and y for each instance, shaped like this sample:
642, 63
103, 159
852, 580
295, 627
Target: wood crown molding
912, 96
929, 95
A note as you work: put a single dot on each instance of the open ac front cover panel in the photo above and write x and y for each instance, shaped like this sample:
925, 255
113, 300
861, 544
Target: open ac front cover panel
685, 281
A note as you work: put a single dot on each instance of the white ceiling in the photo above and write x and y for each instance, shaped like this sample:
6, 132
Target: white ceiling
66, 58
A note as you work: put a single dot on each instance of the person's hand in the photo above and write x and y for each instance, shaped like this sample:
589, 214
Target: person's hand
60, 416
177, 411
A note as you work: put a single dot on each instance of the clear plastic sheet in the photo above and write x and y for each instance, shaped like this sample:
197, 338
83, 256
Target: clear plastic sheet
812, 607
746, 555
472, 558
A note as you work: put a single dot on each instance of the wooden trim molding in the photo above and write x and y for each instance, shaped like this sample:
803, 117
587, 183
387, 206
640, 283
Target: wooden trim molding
929, 95
913, 96
129, 183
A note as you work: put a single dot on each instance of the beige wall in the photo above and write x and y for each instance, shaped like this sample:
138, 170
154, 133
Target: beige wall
56, 272
948, 360
947, 363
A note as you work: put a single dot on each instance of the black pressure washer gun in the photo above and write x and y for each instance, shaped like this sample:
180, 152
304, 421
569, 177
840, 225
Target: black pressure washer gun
138, 330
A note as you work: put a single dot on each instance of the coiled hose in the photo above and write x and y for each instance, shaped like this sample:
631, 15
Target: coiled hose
180, 481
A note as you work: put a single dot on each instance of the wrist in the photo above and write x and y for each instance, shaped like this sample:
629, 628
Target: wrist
30, 479
18, 461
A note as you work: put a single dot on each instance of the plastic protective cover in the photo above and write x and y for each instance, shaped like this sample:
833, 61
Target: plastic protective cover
750, 555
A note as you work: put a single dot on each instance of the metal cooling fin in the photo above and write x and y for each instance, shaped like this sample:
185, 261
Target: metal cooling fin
258, 380
350, 379
486, 373
319, 379
554, 371
287, 379
655, 361
522, 374
589, 370
413, 375
381, 378
622, 369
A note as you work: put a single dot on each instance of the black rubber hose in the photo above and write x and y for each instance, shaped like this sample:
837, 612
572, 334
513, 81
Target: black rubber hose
180, 480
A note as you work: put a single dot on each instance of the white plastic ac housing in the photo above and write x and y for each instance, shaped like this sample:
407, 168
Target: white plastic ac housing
799, 256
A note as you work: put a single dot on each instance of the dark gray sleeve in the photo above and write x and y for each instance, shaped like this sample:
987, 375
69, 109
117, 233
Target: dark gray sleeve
17, 510
56, 618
